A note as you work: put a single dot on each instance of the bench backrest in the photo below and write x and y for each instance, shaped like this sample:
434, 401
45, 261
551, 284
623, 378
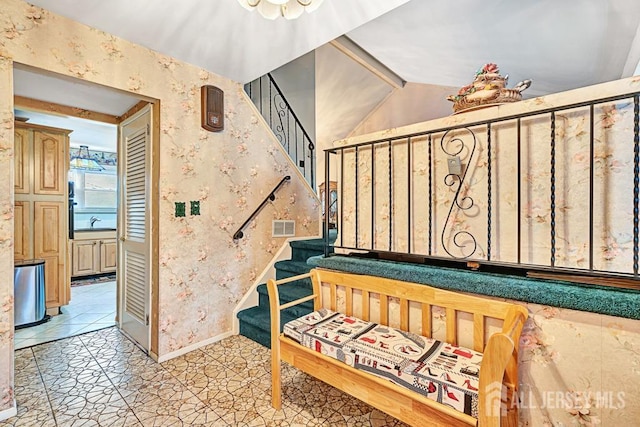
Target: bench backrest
356, 295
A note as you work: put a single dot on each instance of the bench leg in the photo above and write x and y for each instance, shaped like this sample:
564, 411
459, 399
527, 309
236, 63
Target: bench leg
276, 386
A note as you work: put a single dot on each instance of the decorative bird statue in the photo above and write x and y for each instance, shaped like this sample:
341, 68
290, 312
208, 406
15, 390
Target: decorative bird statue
522, 85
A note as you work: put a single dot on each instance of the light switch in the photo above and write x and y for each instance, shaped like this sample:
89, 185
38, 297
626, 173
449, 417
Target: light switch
195, 207
180, 209
455, 166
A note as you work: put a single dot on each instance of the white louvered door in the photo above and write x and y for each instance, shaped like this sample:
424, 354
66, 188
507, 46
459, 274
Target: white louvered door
134, 215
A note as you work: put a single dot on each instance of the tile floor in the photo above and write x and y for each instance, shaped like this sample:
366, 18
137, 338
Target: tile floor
102, 379
92, 307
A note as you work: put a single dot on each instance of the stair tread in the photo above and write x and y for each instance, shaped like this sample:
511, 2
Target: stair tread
306, 243
288, 290
293, 264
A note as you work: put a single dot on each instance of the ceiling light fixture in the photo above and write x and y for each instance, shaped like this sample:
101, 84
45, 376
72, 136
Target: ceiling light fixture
288, 9
84, 161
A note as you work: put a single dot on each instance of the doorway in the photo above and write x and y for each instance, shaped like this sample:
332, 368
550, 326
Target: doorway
90, 233
93, 114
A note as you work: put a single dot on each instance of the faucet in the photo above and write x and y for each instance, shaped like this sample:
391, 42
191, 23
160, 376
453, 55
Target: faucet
93, 220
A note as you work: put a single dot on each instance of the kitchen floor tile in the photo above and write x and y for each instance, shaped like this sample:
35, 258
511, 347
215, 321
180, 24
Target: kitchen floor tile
82, 315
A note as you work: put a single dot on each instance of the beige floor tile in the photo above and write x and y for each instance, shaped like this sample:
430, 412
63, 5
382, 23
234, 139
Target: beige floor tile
103, 379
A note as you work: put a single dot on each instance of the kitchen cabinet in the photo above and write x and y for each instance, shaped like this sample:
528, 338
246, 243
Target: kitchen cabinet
85, 258
51, 162
50, 244
22, 163
108, 256
93, 256
22, 233
41, 207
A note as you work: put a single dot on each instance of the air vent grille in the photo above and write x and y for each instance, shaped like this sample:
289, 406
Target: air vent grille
284, 228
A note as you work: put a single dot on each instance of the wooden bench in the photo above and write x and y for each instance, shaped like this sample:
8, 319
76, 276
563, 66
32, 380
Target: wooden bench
413, 305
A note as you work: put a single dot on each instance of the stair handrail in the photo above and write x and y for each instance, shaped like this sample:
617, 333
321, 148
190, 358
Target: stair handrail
293, 113
271, 197
285, 124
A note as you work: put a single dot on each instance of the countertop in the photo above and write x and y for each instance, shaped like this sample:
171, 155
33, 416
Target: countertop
96, 233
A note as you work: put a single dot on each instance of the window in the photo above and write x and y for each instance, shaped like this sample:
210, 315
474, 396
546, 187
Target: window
95, 191
100, 190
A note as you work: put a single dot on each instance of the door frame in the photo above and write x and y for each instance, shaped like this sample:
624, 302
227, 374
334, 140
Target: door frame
52, 108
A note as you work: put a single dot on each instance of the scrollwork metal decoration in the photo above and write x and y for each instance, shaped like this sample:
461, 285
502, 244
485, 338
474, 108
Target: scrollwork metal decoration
281, 110
462, 203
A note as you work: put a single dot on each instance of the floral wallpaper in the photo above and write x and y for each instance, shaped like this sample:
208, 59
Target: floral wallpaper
382, 176
203, 272
576, 368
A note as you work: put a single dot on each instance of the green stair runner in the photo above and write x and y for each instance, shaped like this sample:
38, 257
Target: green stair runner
255, 321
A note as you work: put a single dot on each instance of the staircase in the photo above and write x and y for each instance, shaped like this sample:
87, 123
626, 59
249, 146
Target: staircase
255, 321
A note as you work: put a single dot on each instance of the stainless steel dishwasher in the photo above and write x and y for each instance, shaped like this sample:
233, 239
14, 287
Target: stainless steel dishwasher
29, 293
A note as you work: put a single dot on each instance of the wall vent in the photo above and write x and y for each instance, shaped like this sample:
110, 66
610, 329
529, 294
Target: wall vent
284, 228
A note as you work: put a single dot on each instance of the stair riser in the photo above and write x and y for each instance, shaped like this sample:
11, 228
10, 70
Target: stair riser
288, 292
284, 272
256, 334
262, 333
257, 327
298, 310
302, 282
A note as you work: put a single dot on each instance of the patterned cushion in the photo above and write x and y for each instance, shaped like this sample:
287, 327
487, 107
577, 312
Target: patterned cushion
449, 375
326, 331
297, 327
440, 371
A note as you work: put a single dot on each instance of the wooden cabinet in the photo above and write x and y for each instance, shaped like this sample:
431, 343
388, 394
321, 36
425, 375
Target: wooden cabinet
50, 242
85, 257
22, 230
22, 163
93, 256
108, 256
50, 163
41, 205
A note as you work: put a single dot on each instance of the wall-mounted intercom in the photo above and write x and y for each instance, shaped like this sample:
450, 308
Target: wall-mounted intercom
212, 104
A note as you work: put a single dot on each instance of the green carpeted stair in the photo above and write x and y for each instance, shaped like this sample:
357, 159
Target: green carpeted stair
255, 321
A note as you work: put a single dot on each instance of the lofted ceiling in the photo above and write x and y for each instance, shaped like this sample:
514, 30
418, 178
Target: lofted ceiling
559, 44
220, 35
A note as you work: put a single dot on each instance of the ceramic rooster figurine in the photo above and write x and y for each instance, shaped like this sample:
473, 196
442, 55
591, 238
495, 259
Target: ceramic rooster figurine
488, 88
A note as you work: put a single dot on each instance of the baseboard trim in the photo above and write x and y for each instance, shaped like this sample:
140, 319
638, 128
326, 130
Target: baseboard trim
196, 346
9, 412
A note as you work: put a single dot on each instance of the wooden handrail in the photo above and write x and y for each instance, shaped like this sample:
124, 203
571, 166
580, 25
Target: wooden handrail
271, 197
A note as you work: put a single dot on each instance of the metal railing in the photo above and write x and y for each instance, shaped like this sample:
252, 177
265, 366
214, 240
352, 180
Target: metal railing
439, 218
274, 107
239, 234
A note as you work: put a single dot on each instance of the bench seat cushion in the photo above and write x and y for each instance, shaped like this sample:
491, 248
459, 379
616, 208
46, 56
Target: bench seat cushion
440, 371
326, 331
